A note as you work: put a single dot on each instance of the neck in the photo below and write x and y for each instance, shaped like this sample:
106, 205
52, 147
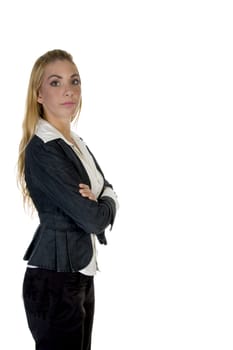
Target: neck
63, 126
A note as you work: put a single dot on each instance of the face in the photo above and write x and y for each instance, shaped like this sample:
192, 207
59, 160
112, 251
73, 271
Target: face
60, 91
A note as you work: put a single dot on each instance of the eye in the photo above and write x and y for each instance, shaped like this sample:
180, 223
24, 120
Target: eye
55, 83
76, 81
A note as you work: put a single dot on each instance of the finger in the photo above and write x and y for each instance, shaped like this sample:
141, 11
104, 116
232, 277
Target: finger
83, 186
84, 191
84, 194
87, 193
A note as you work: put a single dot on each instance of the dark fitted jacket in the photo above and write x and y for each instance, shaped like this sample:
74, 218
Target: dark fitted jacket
62, 241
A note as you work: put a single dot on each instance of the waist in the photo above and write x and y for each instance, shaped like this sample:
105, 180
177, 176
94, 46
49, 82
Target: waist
57, 221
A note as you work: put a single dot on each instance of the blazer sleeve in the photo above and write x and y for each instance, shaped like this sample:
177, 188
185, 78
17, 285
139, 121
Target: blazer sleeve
56, 176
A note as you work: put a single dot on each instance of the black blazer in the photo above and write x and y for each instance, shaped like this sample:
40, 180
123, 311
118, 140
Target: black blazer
62, 241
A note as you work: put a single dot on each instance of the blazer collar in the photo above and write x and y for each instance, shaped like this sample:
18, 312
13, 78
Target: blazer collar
47, 132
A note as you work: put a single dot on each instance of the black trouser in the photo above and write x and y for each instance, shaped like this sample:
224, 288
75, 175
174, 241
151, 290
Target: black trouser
59, 308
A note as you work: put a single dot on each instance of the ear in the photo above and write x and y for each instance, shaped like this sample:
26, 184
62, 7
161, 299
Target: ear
39, 98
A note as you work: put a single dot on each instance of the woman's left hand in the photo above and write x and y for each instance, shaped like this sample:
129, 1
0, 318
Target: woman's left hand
85, 191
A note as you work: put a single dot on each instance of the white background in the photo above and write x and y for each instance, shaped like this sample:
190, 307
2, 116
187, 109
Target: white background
157, 82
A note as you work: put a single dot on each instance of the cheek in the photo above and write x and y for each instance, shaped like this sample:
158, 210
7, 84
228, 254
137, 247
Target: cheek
50, 96
79, 92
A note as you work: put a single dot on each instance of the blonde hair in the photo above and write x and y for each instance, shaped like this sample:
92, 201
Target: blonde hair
34, 110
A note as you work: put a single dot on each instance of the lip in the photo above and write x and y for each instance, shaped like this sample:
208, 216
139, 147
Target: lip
68, 103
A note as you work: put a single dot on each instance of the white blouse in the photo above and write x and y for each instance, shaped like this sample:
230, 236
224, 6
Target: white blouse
97, 182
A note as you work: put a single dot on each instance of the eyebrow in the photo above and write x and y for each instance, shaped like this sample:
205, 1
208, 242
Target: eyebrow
60, 77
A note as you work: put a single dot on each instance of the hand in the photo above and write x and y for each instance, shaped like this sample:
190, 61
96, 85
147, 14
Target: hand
85, 191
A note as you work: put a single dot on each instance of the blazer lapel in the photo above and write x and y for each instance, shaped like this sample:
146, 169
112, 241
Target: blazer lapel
71, 155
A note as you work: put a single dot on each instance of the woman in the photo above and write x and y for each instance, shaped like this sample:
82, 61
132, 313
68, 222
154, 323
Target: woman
75, 204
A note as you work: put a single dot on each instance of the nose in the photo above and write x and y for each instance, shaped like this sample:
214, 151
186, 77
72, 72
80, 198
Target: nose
68, 91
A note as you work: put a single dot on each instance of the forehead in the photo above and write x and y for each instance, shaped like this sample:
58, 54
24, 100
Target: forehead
60, 67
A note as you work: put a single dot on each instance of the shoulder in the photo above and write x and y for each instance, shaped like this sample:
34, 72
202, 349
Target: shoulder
37, 147
34, 144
